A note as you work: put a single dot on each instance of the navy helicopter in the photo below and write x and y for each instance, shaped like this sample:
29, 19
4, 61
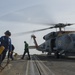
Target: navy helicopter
59, 42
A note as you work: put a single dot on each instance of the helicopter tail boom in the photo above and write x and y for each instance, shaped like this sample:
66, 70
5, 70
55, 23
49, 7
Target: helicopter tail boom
32, 47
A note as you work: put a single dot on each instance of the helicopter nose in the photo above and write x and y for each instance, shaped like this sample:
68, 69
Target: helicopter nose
44, 37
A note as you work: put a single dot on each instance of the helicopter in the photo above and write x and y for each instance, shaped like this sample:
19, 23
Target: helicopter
59, 42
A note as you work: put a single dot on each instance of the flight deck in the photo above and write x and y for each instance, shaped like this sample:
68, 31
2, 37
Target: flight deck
40, 65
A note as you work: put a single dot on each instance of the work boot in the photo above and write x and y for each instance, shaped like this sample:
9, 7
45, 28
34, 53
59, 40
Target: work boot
12, 59
22, 58
1, 68
29, 58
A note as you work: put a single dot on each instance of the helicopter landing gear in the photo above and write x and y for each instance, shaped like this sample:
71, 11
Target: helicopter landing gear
57, 55
49, 53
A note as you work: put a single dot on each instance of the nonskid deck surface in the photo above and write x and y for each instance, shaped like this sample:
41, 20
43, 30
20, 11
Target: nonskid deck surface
40, 65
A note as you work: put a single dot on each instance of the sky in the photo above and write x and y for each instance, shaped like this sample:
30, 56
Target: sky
27, 15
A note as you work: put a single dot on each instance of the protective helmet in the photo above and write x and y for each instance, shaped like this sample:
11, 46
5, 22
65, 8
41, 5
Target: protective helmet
24, 41
8, 33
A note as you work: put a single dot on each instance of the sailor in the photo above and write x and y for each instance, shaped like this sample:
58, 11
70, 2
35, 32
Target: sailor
10, 55
6, 42
26, 50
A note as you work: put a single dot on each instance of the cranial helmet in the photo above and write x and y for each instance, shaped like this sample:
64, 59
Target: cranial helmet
24, 41
8, 33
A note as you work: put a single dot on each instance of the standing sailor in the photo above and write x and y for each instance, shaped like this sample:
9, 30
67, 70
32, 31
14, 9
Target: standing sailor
26, 50
6, 42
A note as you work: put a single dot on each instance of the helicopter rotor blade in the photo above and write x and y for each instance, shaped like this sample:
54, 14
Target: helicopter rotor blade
70, 24
59, 25
33, 31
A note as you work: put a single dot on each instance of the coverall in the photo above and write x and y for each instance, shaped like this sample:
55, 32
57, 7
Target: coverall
6, 42
26, 50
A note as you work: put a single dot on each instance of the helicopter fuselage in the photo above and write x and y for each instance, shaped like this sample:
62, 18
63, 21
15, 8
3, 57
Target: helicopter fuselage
63, 43
59, 42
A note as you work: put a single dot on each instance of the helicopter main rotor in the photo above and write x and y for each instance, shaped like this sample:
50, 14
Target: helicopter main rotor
59, 25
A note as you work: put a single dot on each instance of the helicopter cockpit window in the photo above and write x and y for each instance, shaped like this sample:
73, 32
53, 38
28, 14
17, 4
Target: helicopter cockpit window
53, 34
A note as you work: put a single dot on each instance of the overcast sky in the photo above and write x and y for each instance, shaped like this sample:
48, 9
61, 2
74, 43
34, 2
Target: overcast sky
26, 15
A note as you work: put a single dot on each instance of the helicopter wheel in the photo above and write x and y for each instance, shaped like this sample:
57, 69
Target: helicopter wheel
49, 54
57, 55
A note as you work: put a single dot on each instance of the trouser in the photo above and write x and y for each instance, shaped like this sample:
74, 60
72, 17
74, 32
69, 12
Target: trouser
0, 59
2, 56
10, 55
25, 53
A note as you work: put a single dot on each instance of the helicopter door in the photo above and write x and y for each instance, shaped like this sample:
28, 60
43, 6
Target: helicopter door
52, 44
